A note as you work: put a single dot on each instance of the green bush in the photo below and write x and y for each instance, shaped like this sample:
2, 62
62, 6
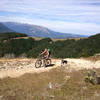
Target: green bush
59, 49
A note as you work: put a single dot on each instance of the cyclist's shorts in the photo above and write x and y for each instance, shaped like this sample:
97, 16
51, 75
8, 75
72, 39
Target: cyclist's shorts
45, 57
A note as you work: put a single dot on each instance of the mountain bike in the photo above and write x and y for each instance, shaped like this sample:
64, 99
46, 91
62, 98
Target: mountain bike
40, 62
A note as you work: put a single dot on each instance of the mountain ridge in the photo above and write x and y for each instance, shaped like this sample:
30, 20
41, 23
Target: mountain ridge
4, 28
38, 31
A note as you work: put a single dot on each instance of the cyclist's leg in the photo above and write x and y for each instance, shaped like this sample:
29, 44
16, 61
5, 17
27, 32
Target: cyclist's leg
45, 60
48, 59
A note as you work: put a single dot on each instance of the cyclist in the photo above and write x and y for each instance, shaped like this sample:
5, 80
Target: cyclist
46, 54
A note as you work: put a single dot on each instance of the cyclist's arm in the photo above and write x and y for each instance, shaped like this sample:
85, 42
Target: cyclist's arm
43, 52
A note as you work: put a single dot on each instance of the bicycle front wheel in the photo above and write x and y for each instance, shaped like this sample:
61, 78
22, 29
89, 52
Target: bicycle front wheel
38, 63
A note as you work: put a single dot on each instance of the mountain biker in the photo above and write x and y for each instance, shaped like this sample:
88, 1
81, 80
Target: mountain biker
46, 54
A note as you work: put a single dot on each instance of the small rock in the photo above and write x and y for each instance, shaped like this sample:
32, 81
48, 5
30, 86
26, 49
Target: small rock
51, 96
50, 85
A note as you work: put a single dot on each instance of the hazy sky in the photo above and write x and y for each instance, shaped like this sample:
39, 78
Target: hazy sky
68, 16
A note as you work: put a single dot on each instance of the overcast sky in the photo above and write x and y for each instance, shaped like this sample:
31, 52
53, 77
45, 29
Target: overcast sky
68, 16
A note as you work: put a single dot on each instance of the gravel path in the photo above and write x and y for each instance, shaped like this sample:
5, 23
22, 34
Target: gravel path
18, 67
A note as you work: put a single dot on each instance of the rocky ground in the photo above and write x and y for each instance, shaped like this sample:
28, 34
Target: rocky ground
18, 67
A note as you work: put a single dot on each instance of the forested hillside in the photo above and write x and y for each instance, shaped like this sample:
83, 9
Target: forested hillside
10, 35
59, 49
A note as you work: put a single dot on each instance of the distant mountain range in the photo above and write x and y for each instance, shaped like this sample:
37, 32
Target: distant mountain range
35, 31
4, 28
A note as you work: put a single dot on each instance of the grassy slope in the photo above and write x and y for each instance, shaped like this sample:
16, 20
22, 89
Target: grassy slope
37, 38
65, 86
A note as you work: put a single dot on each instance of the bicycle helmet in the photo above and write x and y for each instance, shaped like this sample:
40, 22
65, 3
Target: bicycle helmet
48, 49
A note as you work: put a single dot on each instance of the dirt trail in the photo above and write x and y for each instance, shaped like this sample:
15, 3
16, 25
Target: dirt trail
18, 67
79, 64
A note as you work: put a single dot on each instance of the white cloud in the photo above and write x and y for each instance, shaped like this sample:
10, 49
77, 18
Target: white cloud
60, 26
73, 16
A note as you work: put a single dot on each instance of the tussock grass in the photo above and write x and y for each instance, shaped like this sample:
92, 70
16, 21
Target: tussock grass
36, 86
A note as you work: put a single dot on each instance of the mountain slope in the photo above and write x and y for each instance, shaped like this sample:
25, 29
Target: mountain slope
4, 28
38, 31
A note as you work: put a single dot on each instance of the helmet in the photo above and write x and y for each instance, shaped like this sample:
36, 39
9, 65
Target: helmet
48, 49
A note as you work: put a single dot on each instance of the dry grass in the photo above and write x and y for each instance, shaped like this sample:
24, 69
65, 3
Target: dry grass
64, 86
53, 39
66, 39
36, 38
29, 86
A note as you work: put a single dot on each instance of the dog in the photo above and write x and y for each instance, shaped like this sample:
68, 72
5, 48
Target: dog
63, 62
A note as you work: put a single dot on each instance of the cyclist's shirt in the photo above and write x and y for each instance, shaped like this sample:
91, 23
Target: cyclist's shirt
46, 53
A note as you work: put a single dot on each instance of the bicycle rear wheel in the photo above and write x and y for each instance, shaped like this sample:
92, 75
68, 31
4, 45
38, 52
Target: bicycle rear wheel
48, 62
